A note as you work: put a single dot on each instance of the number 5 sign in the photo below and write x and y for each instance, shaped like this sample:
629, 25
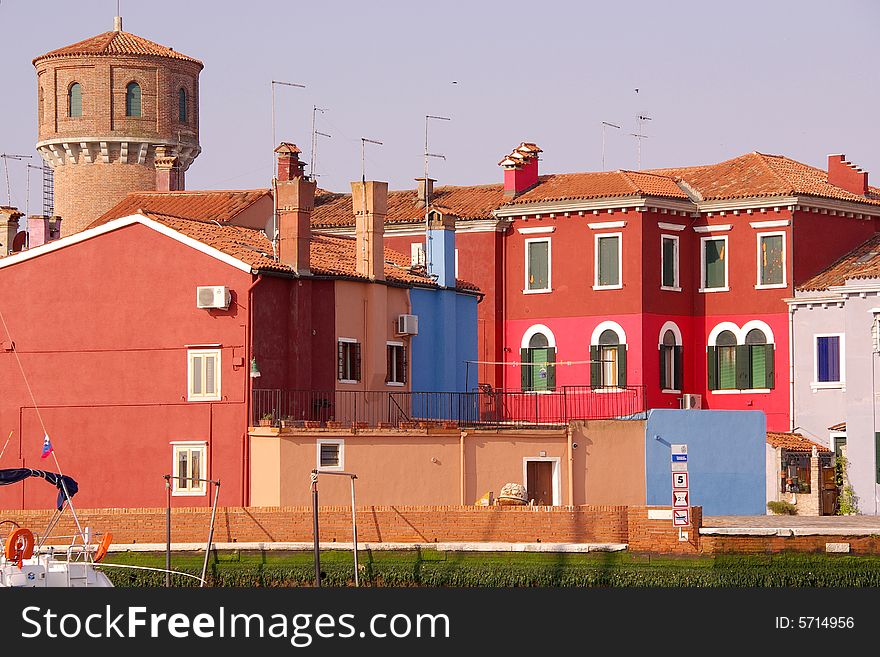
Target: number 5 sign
679, 479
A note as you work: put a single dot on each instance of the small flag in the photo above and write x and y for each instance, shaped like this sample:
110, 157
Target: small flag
47, 447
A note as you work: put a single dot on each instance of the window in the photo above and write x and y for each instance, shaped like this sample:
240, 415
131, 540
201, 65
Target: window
348, 361
189, 468
714, 263
669, 263
204, 375
330, 454
726, 361
608, 262
417, 254
756, 343
736, 363
608, 358
396, 365
181, 105
537, 265
133, 99
771, 260
829, 359
74, 101
670, 362
538, 370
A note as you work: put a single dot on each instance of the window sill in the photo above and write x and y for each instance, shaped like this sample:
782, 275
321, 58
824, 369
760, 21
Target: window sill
347, 381
608, 287
546, 291
745, 391
329, 468
828, 385
608, 390
187, 493
537, 392
774, 286
670, 392
398, 384
706, 290
203, 399
670, 289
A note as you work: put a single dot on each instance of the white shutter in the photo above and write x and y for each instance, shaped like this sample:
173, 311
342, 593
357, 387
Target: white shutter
210, 379
196, 380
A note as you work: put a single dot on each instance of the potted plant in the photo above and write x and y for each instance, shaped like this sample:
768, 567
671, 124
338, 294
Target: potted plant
266, 420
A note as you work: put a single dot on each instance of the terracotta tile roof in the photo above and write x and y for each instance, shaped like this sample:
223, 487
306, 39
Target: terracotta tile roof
330, 255
474, 202
116, 43
840, 426
758, 175
606, 184
221, 206
793, 442
861, 262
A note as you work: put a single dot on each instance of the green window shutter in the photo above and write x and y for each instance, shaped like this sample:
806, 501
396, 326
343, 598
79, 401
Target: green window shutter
715, 270
595, 367
539, 265
551, 369
743, 375
769, 366
133, 99
525, 371
668, 263
757, 366
771, 260
609, 261
75, 100
663, 367
677, 373
621, 366
712, 368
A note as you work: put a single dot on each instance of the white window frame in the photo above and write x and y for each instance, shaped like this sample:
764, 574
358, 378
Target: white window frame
815, 384
772, 286
741, 333
549, 287
596, 238
395, 344
677, 241
417, 254
349, 341
557, 484
703, 241
190, 445
190, 395
330, 441
621, 344
676, 331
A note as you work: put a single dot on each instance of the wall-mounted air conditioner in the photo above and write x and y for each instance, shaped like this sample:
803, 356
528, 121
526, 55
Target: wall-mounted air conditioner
691, 401
407, 325
213, 296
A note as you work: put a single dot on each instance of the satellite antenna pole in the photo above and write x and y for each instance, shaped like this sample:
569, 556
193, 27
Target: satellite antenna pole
639, 136
612, 125
428, 154
274, 237
6, 157
315, 152
27, 202
364, 142
315, 110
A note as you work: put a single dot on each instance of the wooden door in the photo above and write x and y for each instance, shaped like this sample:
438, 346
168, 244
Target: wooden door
539, 484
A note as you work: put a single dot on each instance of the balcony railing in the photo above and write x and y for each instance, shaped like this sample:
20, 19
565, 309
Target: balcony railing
481, 408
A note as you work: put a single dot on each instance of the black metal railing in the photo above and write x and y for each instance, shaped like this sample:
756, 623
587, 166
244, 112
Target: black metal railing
490, 408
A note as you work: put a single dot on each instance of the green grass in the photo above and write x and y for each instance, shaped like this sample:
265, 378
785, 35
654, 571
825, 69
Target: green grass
465, 569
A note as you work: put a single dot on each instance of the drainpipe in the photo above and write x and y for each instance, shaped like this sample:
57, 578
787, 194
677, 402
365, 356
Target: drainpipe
248, 392
791, 423
569, 433
461, 466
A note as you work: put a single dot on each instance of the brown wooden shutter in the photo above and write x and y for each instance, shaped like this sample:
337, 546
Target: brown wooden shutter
340, 361
356, 357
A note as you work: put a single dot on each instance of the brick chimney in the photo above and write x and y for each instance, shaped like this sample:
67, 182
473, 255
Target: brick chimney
425, 191
8, 228
295, 199
520, 169
370, 205
169, 174
847, 176
43, 229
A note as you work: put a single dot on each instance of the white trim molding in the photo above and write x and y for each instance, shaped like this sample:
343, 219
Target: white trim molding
608, 325
779, 223
556, 479
670, 326
538, 328
677, 270
815, 384
596, 239
772, 286
601, 225
717, 228
340, 442
526, 246
726, 286
662, 225
533, 230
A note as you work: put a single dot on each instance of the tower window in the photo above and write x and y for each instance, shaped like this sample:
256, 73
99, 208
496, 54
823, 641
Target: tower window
133, 99
181, 105
74, 101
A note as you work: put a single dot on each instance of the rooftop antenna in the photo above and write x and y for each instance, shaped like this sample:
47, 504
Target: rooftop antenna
117, 21
274, 236
315, 110
6, 157
315, 152
611, 125
27, 202
364, 142
639, 136
428, 154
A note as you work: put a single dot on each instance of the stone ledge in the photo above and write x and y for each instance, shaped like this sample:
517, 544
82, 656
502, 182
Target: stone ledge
441, 547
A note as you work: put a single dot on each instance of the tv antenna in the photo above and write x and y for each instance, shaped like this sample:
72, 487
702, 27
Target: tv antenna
6, 157
428, 154
27, 193
641, 118
274, 173
315, 133
610, 125
364, 142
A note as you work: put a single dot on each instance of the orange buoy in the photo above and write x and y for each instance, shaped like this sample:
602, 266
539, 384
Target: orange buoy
103, 546
20, 545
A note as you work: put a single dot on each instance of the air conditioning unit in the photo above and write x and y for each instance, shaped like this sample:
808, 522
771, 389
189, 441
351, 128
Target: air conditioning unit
213, 296
691, 401
407, 325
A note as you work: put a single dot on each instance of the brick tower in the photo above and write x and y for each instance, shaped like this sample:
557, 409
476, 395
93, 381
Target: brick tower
109, 107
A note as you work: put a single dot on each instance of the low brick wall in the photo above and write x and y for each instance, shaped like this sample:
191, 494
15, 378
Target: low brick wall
423, 524
859, 545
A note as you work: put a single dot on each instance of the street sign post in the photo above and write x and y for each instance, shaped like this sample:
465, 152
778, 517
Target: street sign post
681, 517
681, 503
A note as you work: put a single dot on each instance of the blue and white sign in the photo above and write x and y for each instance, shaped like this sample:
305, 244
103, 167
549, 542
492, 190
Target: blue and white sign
679, 458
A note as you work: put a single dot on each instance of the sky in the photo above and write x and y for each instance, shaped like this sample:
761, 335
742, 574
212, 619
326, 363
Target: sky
717, 79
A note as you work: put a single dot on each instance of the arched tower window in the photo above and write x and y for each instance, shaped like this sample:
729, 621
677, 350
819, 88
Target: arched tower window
181, 105
74, 101
133, 99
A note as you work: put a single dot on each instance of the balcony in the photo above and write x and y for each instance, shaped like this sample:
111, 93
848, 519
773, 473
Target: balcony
409, 410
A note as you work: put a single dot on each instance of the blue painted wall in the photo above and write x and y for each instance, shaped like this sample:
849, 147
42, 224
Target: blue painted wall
726, 456
447, 338
440, 246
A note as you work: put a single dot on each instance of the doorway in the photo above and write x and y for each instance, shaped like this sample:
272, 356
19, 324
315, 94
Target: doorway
542, 483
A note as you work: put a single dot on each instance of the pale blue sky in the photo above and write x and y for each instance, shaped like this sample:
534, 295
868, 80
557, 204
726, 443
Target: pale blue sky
718, 79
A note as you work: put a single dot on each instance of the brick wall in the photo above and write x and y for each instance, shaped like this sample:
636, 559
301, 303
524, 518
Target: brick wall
860, 545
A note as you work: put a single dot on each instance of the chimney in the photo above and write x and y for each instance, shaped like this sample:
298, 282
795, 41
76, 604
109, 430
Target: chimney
43, 229
520, 169
169, 175
370, 205
117, 23
289, 167
8, 228
846, 175
425, 191
294, 201
441, 248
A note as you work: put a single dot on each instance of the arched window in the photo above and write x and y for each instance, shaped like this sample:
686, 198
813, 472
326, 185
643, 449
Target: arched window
608, 356
756, 344
725, 366
741, 358
181, 105
133, 99
670, 362
74, 101
538, 369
